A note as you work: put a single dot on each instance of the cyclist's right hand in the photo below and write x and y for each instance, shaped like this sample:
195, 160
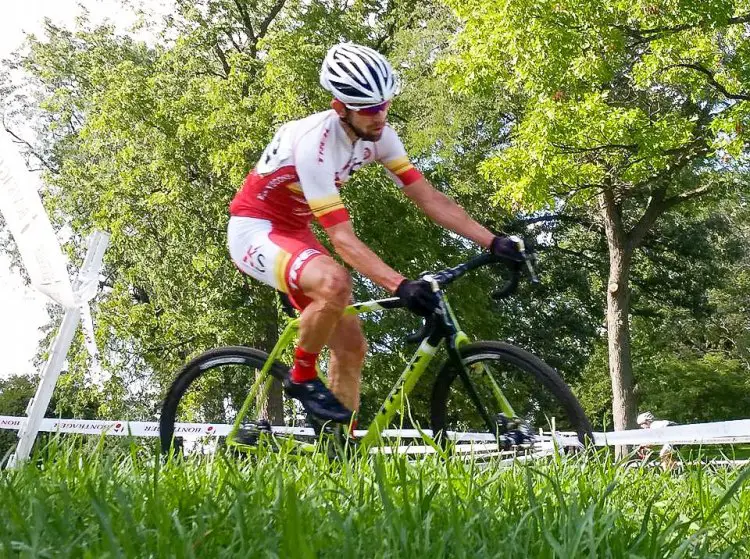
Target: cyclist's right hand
417, 296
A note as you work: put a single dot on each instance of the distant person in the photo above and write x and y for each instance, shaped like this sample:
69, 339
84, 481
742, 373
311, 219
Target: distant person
646, 420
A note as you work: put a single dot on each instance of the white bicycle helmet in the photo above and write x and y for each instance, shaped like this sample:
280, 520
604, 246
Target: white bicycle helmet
645, 417
358, 76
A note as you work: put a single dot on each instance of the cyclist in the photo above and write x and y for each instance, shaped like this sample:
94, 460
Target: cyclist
646, 420
298, 177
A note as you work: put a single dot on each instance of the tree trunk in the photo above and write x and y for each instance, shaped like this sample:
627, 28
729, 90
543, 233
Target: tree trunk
618, 319
273, 410
618, 334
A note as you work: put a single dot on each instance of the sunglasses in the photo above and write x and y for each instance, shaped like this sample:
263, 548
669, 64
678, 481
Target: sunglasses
369, 110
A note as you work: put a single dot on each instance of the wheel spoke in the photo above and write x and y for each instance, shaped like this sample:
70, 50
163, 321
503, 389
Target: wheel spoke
213, 389
504, 379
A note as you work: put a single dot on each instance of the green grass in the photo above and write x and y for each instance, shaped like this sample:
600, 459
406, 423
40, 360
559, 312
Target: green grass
78, 499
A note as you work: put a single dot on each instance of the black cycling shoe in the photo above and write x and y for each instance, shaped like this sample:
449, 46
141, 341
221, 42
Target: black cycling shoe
317, 400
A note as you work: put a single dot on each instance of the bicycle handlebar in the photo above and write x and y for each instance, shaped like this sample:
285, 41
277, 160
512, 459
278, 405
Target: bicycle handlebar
449, 275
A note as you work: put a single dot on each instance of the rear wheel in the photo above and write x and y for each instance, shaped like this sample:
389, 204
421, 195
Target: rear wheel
535, 391
212, 388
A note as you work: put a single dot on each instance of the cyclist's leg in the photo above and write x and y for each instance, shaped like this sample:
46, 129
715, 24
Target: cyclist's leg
348, 349
296, 263
293, 262
327, 289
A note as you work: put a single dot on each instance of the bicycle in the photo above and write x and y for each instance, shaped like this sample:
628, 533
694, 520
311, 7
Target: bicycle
491, 373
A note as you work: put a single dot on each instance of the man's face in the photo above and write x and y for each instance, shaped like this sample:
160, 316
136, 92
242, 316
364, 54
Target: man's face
367, 122
646, 424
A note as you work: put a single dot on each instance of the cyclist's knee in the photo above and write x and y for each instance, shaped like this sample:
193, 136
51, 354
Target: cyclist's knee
335, 289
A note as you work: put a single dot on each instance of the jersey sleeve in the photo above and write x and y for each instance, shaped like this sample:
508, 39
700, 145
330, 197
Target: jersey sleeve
391, 153
317, 178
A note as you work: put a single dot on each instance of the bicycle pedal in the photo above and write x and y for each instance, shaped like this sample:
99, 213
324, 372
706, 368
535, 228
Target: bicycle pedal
250, 433
513, 432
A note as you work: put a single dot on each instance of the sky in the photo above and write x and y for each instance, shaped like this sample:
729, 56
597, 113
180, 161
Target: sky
22, 309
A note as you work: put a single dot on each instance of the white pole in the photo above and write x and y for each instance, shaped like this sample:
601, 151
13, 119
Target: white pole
85, 289
39, 403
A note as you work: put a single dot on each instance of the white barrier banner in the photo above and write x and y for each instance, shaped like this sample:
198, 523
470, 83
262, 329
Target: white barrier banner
725, 432
32, 231
195, 430
120, 428
722, 432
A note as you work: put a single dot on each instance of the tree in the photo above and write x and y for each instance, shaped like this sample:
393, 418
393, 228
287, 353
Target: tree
689, 319
623, 111
150, 143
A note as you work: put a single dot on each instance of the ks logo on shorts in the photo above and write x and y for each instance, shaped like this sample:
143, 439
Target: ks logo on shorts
255, 259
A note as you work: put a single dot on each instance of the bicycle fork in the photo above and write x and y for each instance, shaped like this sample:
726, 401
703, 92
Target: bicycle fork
455, 337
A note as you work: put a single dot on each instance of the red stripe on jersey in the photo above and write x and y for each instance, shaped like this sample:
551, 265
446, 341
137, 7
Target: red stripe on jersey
410, 176
267, 197
334, 218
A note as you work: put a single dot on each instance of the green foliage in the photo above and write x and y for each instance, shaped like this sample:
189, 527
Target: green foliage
609, 92
712, 388
126, 502
620, 113
15, 393
534, 106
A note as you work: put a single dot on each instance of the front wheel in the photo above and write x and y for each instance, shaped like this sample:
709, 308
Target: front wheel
212, 388
504, 378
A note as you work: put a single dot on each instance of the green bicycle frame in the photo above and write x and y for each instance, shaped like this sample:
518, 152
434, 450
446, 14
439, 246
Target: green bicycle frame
395, 400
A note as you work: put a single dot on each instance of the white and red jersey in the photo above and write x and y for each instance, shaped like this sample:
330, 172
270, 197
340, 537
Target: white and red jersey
301, 171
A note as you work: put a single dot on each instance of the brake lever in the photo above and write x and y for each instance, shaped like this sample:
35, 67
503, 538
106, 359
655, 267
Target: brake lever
529, 258
425, 331
515, 266
430, 322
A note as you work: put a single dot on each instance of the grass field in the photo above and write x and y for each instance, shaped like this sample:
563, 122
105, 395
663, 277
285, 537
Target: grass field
78, 499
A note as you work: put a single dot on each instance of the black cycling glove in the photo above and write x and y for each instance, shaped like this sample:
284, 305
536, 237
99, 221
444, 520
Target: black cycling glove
506, 247
417, 296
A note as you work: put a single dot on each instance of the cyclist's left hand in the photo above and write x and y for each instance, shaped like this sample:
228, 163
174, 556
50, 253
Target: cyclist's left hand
507, 247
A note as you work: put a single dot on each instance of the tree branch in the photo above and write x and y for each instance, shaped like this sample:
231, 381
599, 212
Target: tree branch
557, 217
646, 35
30, 148
711, 79
654, 209
659, 204
223, 59
684, 155
269, 19
591, 262
680, 198
573, 149
170, 347
236, 46
246, 21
